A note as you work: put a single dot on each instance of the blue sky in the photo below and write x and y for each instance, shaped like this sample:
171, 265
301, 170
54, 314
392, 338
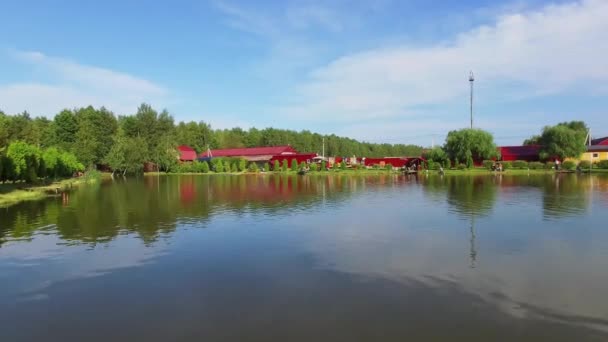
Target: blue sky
383, 71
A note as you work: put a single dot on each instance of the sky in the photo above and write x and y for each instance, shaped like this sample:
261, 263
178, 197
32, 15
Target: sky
393, 71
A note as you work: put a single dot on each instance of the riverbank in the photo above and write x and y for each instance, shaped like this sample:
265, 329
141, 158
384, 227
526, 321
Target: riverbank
11, 194
371, 172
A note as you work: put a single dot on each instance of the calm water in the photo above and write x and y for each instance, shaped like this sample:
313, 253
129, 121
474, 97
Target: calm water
259, 258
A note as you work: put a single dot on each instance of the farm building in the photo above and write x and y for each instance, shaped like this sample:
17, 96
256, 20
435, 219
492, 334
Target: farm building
299, 157
528, 153
598, 150
186, 153
396, 162
252, 154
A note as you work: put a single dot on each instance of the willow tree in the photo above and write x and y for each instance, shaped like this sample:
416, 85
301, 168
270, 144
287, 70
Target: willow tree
564, 140
466, 145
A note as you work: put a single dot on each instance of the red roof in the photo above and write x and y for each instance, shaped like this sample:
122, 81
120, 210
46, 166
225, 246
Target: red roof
252, 151
601, 141
186, 153
528, 153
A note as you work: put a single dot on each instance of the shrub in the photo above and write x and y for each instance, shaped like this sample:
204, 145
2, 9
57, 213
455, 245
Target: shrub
447, 164
294, 165
266, 167
277, 166
235, 167
314, 167
226, 166
323, 165
302, 165
335, 166
461, 167
507, 165
569, 165
470, 162
219, 167
343, 165
536, 165
285, 165
388, 167
242, 165
584, 164
253, 167
603, 164
520, 164
487, 164
204, 167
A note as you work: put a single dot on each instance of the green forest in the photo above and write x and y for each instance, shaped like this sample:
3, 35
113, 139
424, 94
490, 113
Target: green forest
89, 137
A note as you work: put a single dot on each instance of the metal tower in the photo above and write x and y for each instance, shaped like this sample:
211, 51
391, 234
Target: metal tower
471, 80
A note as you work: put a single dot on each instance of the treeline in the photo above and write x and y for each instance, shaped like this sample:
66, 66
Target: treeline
125, 142
21, 161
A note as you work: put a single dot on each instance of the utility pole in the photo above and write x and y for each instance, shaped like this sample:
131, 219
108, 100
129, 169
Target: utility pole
323, 153
471, 80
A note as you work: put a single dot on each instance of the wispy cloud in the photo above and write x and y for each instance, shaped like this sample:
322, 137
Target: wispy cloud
551, 50
69, 84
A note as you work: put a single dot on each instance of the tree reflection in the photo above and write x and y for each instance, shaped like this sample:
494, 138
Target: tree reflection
153, 206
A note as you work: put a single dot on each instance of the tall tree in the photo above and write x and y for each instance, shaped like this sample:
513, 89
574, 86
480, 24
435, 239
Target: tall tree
65, 127
565, 140
467, 144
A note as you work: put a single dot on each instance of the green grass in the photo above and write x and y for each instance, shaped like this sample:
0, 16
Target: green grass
11, 194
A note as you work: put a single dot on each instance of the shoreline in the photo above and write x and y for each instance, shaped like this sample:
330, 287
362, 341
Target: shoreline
11, 194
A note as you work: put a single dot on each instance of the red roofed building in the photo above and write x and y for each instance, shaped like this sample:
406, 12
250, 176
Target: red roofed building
600, 142
257, 154
527, 153
186, 153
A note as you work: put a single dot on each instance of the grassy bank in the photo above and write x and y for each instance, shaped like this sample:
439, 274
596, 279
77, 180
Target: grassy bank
451, 172
11, 194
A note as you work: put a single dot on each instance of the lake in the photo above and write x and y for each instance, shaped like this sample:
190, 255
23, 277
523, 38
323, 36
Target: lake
310, 258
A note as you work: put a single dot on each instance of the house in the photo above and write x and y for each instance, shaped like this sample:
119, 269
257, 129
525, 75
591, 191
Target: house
186, 153
597, 151
251, 154
528, 153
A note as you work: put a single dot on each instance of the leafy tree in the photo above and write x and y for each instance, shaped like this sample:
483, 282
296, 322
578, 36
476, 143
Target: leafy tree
235, 167
277, 166
165, 155
253, 167
266, 167
565, 140
219, 166
294, 165
468, 144
205, 167
51, 156
242, 165
534, 140
65, 127
343, 165
226, 166
285, 165
127, 154
25, 160
86, 144
437, 155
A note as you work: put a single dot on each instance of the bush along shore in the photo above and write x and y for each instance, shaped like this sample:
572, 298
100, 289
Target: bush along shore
13, 193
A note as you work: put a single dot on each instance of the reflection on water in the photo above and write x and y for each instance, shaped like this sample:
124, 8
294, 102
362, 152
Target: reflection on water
310, 258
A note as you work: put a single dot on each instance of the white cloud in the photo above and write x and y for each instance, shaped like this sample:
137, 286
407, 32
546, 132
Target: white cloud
547, 51
69, 84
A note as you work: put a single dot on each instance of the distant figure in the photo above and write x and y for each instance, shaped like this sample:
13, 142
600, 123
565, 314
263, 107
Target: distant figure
441, 170
557, 164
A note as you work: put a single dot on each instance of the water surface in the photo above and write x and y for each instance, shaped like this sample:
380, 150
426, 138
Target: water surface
334, 258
